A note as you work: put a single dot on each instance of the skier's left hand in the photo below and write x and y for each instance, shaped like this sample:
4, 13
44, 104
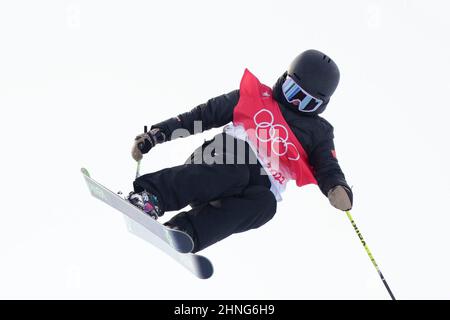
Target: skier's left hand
341, 198
144, 142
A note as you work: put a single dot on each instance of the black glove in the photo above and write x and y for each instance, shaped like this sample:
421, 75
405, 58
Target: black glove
144, 142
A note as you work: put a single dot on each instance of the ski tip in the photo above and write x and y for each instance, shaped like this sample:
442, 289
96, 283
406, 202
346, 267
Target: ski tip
205, 268
85, 172
181, 242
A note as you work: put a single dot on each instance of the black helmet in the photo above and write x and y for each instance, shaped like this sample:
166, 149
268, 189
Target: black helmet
316, 73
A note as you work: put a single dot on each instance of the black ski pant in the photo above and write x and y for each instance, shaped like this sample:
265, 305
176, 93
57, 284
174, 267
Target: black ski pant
225, 198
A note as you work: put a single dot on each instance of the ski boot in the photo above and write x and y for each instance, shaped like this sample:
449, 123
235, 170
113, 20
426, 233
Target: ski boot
147, 202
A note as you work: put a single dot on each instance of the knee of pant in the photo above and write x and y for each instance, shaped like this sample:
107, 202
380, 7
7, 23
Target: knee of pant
138, 185
267, 207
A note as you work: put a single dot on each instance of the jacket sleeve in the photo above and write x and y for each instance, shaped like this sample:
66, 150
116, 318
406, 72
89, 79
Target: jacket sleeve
325, 165
215, 113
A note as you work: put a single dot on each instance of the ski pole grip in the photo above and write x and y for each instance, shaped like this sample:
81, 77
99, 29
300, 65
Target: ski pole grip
141, 145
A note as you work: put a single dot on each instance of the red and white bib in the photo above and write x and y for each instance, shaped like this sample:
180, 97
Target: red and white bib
258, 120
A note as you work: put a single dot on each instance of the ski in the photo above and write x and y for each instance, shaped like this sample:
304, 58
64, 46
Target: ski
174, 243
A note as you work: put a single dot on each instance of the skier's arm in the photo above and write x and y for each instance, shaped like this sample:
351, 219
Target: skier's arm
326, 168
215, 113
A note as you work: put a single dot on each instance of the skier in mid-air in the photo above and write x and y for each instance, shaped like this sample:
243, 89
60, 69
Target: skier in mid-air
233, 182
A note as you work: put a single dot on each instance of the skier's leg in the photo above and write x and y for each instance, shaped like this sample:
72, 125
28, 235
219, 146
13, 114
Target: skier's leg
210, 223
179, 186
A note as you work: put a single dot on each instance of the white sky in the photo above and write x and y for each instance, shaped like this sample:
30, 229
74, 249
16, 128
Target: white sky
79, 79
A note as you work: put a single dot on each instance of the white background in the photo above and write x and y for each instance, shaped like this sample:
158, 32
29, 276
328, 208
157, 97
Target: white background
79, 79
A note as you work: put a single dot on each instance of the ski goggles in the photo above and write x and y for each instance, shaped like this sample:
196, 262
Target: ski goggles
298, 96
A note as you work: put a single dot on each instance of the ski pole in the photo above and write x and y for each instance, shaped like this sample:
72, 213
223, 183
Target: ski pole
138, 168
370, 254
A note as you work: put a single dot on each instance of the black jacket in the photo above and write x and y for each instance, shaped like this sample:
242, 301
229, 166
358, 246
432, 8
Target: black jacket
314, 133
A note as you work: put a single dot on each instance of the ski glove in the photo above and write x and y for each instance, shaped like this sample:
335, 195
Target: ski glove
144, 142
341, 198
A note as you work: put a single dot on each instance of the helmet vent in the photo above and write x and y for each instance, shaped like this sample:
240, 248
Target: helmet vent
325, 57
320, 93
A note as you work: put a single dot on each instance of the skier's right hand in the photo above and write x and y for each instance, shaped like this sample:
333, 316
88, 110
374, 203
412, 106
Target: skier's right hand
341, 198
144, 142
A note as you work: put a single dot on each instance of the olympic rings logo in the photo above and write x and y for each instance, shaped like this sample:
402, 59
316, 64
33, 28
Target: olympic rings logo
273, 138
